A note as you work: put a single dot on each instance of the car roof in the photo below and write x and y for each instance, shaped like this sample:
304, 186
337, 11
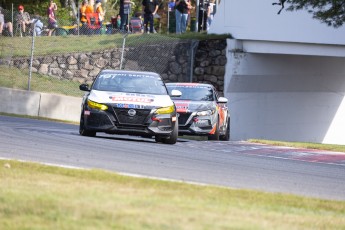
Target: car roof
189, 84
114, 71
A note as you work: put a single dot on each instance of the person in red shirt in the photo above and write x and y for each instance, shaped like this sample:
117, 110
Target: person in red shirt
100, 11
52, 22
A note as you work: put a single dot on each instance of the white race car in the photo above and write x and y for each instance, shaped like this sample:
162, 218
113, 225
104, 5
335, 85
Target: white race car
129, 102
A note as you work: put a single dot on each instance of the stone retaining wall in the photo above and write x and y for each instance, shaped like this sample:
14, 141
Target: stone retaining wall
172, 63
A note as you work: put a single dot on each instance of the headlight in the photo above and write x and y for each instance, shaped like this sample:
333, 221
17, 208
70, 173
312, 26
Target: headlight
95, 105
166, 110
205, 113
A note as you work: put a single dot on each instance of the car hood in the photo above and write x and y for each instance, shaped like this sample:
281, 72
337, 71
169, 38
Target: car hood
128, 99
184, 106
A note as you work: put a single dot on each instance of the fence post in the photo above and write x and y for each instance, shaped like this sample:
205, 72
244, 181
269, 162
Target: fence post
32, 54
168, 17
197, 8
78, 17
192, 56
123, 48
13, 24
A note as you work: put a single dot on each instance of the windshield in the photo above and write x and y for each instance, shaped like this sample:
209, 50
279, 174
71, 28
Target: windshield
130, 83
194, 93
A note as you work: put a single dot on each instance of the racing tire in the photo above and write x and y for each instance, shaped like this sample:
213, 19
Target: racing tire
173, 136
83, 131
215, 136
226, 137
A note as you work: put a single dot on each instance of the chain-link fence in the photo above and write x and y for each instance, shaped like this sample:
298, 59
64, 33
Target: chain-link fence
75, 54
59, 63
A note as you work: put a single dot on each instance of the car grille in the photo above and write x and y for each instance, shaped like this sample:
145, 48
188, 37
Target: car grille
183, 118
138, 119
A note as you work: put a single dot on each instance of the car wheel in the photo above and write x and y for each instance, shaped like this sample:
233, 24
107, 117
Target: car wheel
215, 136
173, 136
226, 137
82, 130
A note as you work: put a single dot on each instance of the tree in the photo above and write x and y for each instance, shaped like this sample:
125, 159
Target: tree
331, 12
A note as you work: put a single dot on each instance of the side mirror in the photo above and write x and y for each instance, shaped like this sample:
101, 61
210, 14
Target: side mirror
84, 87
222, 100
175, 93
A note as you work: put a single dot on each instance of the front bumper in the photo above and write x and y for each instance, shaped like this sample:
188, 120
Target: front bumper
118, 121
191, 124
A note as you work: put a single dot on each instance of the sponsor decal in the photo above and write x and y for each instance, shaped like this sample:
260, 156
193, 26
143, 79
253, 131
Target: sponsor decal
132, 99
132, 106
182, 106
188, 84
128, 75
138, 95
221, 113
191, 85
128, 106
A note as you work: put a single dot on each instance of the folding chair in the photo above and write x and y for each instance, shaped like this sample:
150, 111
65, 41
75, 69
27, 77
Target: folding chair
93, 23
136, 25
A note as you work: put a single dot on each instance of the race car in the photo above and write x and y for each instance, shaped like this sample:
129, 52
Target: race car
201, 111
129, 102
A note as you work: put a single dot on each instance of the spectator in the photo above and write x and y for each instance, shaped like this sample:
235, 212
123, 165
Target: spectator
181, 14
114, 26
210, 14
52, 22
150, 8
83, 19
100, 11
89, 8
171, 5
22, 19
118, 21
82, 11
190, 7
5, 25
125, 8
37, 25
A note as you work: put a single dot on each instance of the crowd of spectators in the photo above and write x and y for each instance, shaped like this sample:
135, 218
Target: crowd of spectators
123, 22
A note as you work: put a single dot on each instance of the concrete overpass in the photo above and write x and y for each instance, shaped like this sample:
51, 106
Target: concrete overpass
285, 76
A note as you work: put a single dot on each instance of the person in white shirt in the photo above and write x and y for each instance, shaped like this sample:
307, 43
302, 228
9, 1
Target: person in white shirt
5, 25
210, 14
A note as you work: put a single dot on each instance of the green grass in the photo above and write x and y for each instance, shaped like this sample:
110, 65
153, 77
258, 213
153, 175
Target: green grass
18, 46
34, 196
18, 79
306, 145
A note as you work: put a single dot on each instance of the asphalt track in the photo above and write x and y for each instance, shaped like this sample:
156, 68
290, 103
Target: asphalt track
232, 164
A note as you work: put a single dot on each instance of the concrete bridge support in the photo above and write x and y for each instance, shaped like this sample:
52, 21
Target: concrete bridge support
286, 97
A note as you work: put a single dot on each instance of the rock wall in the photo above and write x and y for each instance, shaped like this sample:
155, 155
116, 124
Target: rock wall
210, 62
173, 61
